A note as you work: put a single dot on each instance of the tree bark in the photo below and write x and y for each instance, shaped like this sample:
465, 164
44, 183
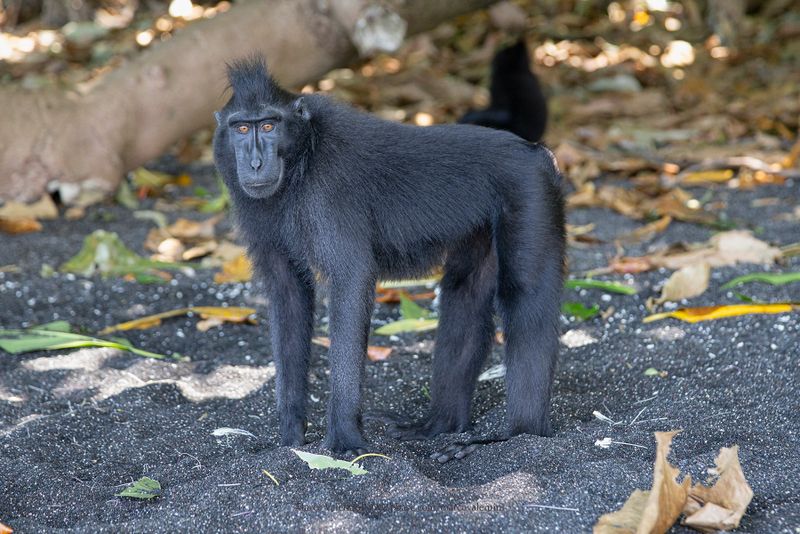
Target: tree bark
82, 142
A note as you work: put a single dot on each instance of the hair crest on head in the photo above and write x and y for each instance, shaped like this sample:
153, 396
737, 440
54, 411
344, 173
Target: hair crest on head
253, 85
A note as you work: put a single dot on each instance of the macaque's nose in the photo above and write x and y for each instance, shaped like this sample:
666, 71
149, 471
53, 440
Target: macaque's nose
255, 163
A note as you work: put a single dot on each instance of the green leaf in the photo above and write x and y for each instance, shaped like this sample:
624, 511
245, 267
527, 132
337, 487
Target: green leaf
776, 279
55, 326
125, 196
144, 488
611, 287
104, 253
407, 325
219, 203
20, 341
652, 371
579, 311
411, 310
320, 461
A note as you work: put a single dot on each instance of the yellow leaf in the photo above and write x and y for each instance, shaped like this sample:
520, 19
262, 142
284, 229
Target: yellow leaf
238, 269
709, 313
231, 314
702, 177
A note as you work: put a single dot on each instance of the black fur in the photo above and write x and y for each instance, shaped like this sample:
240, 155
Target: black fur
517, 102
362, 199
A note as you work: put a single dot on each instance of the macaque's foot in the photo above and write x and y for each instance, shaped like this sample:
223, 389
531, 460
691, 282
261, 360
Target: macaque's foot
428, 428
539, 426
456, 451
462, 449
293, 435
352, 444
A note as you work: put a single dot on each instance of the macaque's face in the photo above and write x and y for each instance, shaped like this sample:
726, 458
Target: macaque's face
255, 137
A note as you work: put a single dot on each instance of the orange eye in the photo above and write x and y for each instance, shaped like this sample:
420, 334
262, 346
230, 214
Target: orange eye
268, 127
243, 129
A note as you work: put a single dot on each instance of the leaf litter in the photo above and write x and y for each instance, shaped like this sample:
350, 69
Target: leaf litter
707, 509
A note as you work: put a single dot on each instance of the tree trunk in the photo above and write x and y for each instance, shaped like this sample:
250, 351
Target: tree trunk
82, 142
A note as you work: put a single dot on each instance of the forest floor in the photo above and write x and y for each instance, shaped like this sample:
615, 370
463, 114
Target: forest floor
76, 426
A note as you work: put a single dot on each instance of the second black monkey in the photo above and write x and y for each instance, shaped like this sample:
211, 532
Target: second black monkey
319, 187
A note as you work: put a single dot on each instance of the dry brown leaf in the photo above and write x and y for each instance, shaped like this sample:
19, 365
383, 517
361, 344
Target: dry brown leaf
227, 251
19, 225
725, 248
630, 265
44, 208
5, 529
238, 269
205, 325
374, 353
170, 249
393, 295
721, 506
680, 205
188, 230
203, 249
647, 231
685, 283
230, 314
626, 520
652, 512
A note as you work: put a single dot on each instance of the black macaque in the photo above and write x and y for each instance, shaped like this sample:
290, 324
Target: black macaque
319, 187
517, 102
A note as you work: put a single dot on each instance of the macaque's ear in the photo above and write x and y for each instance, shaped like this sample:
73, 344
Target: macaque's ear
218, 117
300, 109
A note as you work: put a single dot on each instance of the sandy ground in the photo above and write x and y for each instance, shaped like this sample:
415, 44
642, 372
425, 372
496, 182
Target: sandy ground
77, 426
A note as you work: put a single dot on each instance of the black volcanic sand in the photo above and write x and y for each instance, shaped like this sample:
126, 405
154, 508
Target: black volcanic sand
76, 426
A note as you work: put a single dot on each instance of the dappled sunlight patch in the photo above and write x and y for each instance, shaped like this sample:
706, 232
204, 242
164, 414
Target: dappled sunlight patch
517, 487
91, 373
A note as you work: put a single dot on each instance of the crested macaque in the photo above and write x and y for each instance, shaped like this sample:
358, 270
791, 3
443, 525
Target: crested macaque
321, 188
517, 102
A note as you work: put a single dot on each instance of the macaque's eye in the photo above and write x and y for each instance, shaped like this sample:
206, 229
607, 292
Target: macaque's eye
267, 127
243, 129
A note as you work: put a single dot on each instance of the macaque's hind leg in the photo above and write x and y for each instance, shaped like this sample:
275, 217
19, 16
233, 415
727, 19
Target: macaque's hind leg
464, 338
530, 247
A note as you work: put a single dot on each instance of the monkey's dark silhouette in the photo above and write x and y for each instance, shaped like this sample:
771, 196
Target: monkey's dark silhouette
319, 187
518, 104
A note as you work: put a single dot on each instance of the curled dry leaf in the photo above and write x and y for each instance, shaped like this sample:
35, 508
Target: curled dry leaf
374, 353
647, 231
653, 511
230, 314
721, 506
723, 249
685, 283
